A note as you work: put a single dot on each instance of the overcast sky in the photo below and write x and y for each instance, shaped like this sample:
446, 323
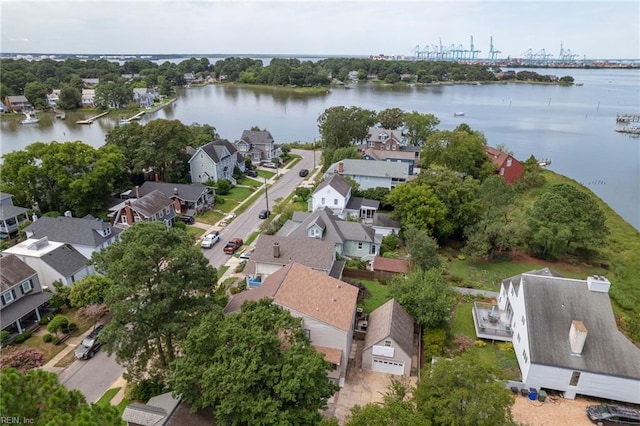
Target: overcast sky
591, 29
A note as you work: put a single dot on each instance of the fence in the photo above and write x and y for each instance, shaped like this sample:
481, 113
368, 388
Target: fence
358, 273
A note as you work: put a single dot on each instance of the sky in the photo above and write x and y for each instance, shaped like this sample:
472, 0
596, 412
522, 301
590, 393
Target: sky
590, 29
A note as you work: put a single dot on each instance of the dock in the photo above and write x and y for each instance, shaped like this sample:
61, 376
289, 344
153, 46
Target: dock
92, 119
631, 130
136, 117
627, 118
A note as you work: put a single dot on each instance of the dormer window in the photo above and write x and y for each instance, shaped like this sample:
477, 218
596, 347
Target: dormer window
26, 287
7, 297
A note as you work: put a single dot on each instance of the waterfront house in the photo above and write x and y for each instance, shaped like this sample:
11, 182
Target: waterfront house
91, 82
88, 98
214, 161
188, 199
154, 206
369, 174
327, 307
18, 103
10, 216
22, 297
258, 145
392, 156
53, 97
564, 334
335, 193
144, 97
506, 164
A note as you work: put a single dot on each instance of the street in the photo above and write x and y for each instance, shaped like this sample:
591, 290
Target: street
92, 377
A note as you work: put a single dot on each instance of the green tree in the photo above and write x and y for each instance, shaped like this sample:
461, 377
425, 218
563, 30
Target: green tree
161, 286
89, 290
418, 127
422, 248
464, 391
40, 398
253, 367
416, 205
334, 155
69, 97
60, 296
202, 134
340, 126
36, 92
461, 150
164, 149
425, 295
391, 118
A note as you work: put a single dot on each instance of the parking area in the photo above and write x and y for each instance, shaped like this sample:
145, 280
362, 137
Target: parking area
554, 411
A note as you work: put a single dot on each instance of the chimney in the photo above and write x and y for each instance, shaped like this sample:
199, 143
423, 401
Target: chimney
276, 250
598, 283
577, 337
137, 191
68, 213
175, 191
340, 168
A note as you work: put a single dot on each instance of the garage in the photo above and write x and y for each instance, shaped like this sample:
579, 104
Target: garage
390, 366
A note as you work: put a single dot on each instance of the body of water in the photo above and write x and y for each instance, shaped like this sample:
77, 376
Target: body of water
573, 126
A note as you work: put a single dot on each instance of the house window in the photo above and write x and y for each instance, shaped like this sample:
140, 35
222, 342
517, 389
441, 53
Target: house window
501, 171
393, 147
524, 355
107, 231
160, 213
26, 287
387, 343
167, 210
360, 245
508, 162
7, 298
322, 201
123, 219
372, 144
335, 201
307, 332
518, 337
575, 377
373, 249
138, 218
523, 320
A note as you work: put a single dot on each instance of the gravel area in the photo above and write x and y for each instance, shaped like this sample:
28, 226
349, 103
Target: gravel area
554, 411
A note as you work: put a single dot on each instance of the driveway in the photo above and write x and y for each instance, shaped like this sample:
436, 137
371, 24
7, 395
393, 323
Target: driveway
92, 377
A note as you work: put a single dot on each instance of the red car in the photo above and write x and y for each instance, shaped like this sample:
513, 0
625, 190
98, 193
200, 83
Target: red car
233, 245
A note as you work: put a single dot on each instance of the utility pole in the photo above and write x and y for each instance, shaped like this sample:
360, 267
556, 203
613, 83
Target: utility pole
314, 153
266, 194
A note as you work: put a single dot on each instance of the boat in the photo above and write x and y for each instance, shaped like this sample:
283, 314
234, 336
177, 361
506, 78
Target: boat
544, 163
30, 119
61, 115
458, 114
579, 84
123, 122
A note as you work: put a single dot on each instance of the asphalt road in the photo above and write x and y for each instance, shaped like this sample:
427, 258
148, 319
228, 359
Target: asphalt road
247, 222
92, 377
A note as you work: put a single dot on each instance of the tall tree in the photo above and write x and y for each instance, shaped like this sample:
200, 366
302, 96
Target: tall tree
89, 290
40, 399
340, 126
161, 286
391, 118
416, 205
423, 249
253, 367
418, 127
69, 97
459, 150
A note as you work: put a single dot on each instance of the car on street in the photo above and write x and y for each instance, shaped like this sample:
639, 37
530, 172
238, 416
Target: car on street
264, 214
270, 165
89, 345
303, 172
189, 220
210, 240
233, 245
609, 414
251, 173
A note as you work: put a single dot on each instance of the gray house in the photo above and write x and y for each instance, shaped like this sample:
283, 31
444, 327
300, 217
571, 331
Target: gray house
258, 145
10, 216
214, 161
370, 174
189, 199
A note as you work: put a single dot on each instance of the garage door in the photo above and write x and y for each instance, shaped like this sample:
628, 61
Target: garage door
390, 366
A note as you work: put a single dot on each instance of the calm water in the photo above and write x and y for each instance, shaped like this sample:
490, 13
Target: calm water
573, 126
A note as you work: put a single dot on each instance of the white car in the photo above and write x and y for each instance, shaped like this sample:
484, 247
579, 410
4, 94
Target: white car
210, 240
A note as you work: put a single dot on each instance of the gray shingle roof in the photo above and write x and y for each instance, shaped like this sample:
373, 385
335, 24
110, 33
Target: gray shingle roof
257, 136
390, 320
215, 150
71, 230
336, 182
13, 271
143, 414
65, 260
552, 304
367, 168
356, 203
335, 229
384, 220
187, 192
151, 203
315, 254
23, 306
7, 212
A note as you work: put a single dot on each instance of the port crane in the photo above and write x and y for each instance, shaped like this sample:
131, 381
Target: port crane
473, 52
493, 54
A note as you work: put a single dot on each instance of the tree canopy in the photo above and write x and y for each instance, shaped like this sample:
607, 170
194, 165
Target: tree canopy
340, 126
418, 127
422, 248
253, 367
416, 205
461, 150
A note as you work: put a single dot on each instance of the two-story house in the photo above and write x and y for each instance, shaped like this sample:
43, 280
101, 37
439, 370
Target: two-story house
87, 235
53, 97
214, 161
273, 252
258, 145
88, 99
189, 199
369, 174
335, 193
18, 103
506, 164
10, 216
145, 97
21, 294
326, 305
565, 335
151, 207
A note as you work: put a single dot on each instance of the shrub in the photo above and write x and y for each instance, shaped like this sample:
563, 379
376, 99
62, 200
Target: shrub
505, 347
4, 337
145, 389
223, 186
480, 343
45, 320
434, 342
22, 337
72, 326
461, 343
47, 337
240, 267
58, 323
240, 288
55, 340
23, 359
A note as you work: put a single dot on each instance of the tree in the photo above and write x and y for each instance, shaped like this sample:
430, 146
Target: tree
423, 249
334, 155
60, 296
23, 360
38, 397
223, 186
93, 312
461, 150
340, 126
425, 295
463, 391
416, 205
36, 92
161, 286
203, 134
69, 97
418, 127
89, 290
391, 118
253, 367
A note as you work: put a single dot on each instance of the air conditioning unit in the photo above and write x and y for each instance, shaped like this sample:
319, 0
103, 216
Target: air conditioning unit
359, 310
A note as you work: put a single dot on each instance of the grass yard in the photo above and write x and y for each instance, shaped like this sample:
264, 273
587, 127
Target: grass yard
211, 217
67, 360
222, 270
239, 194
266, 174
194, 232
247, 181
295, 159
249, 202
252, 237
108, 396
378, 295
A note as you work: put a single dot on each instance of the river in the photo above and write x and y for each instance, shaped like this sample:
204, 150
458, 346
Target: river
573, 126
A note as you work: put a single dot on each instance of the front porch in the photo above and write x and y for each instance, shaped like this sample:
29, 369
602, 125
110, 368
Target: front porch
492, 323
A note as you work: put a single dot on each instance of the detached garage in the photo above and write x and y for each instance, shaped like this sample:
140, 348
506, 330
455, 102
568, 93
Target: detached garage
388, 344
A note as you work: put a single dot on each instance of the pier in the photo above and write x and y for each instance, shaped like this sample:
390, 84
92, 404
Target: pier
92, 119
136, 117
627, 118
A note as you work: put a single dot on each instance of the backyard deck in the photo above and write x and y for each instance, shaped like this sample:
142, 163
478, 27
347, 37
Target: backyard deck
491, 323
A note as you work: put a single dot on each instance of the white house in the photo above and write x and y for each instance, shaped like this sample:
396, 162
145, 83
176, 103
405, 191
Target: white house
388, 343
335, 193
370, 174
566, 338
326, 305
214, 161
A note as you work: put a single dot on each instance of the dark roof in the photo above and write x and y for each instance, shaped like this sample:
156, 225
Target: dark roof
13, 271
7, 212
151, 203
356, 203
390, 320
386, 264
336, 182
315, 254
336, 270
216, 149
515, 280
143, 414
71, 230
257, 136
183, 191
334, 228
552, 304
385, 221
23, 306
65, 260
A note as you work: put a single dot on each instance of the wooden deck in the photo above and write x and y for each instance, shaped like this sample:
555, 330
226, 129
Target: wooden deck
92, 119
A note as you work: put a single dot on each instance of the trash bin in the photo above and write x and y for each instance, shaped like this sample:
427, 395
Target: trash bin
524, 392
533, 394
542, 395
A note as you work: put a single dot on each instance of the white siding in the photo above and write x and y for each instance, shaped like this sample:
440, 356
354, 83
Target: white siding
266, 269
367, 182
201, 165
329, 194
398, 355
521, 344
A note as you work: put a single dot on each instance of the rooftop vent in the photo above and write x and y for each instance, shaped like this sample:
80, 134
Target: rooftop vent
598, 283
37, 245
276, 250
577, 337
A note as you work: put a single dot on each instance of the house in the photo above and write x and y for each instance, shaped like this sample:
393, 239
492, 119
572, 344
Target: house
52, 261
506, 165
564, 334
388, 343
258, 145
10, 216
86, 235
151, 207
190, 78
189, 199
371, 175
335, 193
214, 161
91, 82
3, 108
156, 412
384, 139
351, 239
273, 252
327, 307
392, 156
53, 97
22, 297
389, 145
144, 97
385, 268
18, 103
384, 225
88, 98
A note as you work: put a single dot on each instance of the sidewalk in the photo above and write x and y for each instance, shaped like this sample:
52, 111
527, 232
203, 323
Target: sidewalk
70, 345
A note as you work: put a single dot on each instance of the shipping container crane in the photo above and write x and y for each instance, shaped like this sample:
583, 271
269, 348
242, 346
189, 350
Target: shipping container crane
493, 54
473, 52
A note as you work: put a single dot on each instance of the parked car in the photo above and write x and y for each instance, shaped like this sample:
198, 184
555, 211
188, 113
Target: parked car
264, 214
89, 345
233, 245
246, 255
251, 173
270, 165
608, 414
189, 220
303, 172
210, 240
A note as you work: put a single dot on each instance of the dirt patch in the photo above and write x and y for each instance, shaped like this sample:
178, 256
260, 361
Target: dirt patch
521, 257
554, 411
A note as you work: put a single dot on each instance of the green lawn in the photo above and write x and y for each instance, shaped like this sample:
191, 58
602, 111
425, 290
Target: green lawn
249, 202
266, 174
252, 237
211, 217
378, 294
194, 231
247, 181
222, 270
108, 396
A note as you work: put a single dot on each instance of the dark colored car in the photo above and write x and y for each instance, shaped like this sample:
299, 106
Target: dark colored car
303, 172
251, 173
608, 414
189, 220
89, 345
233, 245
264, 214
